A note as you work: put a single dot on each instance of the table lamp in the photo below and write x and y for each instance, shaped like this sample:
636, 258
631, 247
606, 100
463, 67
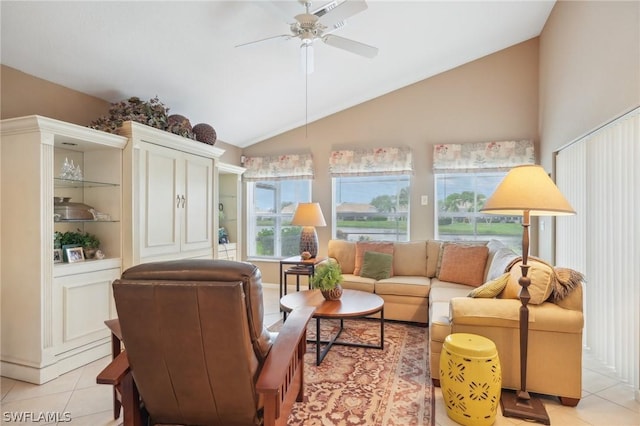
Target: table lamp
308, 215
526, 191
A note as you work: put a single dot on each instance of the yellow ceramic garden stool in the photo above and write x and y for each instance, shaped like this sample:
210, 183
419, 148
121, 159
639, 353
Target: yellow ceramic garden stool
470, 379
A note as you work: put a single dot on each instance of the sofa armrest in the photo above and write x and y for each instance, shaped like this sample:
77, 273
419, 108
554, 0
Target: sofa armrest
506, 313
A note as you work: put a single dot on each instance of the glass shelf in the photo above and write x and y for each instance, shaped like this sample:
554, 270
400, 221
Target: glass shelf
70, 183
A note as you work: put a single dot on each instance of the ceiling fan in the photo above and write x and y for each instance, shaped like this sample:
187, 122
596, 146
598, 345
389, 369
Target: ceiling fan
320, 25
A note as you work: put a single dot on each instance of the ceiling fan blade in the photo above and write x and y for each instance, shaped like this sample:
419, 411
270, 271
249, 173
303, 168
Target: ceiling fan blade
286, 36
333, 17
351, 45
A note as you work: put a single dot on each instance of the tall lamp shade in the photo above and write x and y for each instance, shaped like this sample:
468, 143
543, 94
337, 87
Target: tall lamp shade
308, 215
526, 191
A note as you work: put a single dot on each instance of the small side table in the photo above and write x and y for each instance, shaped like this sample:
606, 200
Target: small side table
297, 266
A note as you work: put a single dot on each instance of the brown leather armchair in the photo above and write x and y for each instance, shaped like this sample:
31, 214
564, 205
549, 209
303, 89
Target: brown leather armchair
196, 348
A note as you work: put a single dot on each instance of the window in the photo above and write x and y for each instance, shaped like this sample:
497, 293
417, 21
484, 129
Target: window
371, 208
271, 205
459, 197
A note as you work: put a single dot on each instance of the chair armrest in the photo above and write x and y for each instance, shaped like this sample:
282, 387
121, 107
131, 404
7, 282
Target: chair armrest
284, 364
115, 371
114, 326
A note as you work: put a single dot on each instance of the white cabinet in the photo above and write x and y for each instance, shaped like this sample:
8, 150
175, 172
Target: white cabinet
169, 196
229, 212
53, 314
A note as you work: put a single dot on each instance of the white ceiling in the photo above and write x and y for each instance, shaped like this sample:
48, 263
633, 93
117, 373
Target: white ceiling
184, 52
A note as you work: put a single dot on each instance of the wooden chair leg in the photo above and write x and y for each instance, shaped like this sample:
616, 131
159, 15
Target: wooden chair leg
131, 402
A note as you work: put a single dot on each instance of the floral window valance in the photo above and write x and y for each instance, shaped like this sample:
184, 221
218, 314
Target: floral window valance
279, 167
369, 162
463, 157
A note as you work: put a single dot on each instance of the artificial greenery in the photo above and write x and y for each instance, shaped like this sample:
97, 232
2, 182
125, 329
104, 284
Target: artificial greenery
327, 276
80, 238
153, 113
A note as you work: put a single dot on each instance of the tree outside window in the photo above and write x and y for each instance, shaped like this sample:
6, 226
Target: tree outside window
271, 205
371, 208
460, 196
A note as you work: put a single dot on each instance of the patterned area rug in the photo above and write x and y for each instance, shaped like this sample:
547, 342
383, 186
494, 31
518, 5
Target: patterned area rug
365, 386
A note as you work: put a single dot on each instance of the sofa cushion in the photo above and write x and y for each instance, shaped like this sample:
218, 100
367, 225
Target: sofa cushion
417, 286
433, 253
499, 262
356, 282
410, 258
345, 253
463, 264
364, 246
541, 276
439, 323
494, 246
442, 291
376, 265
491, 288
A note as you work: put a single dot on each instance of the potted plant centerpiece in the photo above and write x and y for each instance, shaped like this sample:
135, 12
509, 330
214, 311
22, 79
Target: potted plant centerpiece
327, 279
89, 242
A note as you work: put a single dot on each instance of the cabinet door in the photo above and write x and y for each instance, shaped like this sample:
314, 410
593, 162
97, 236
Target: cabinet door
82, 302
160, 203
197, 211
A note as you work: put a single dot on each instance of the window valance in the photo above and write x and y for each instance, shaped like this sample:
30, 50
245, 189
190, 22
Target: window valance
499, 156
278, 167
369, 162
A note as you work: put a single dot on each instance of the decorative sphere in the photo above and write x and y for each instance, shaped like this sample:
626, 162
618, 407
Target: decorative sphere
205, 133
179, 120
305, 255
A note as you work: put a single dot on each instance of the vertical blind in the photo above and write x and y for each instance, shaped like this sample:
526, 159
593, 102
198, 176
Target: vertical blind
599, 176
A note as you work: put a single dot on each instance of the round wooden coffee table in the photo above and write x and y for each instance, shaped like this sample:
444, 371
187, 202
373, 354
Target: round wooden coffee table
352, 304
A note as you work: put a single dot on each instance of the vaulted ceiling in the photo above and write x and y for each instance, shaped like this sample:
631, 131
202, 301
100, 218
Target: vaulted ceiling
185, 53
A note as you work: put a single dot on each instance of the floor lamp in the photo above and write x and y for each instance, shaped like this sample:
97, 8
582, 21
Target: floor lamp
308, 215
526, 191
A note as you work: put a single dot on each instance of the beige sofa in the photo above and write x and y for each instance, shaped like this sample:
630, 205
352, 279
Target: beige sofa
419, 290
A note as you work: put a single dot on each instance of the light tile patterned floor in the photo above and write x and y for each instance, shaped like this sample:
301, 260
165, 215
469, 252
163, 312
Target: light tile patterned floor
605, 401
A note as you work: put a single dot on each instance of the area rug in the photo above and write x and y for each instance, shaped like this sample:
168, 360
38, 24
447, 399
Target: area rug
365, 386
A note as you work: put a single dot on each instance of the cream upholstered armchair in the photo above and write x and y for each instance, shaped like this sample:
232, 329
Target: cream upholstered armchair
196, 350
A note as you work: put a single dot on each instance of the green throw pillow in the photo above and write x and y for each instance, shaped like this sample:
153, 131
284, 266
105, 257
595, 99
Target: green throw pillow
491, 288
376, 265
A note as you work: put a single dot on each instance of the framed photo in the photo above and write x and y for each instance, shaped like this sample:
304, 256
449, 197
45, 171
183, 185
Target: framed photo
57, 256
75, 254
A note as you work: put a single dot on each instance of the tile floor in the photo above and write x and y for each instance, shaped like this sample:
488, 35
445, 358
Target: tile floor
605, 401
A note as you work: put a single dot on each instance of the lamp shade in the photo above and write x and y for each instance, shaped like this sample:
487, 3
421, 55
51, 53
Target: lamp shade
308, 214
527, 188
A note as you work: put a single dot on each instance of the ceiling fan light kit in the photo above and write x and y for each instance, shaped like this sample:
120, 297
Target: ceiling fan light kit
319, 25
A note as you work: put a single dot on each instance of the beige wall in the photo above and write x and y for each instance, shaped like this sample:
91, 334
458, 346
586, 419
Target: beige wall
493, 98
589, 74
23, 94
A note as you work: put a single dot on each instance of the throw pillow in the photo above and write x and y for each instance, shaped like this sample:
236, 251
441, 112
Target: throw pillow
542, 279
500, 262
364, 246
459, 243
376, 265
491, 288
463, 264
